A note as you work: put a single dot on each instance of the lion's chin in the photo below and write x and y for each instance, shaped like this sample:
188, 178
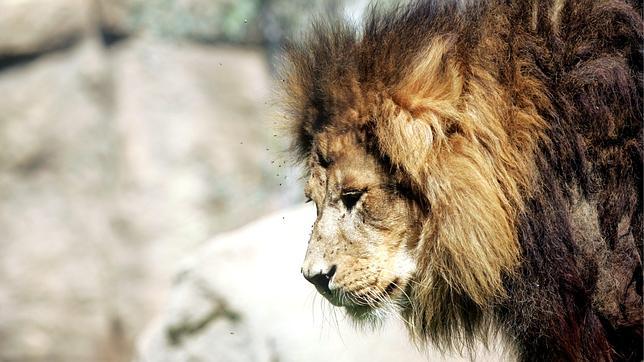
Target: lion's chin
357, 312
374, 311
376, 314
361, 313
373, 317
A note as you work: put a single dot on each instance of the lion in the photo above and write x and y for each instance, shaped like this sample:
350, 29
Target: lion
477, 169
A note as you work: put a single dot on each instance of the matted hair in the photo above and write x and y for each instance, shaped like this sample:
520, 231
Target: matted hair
518, 127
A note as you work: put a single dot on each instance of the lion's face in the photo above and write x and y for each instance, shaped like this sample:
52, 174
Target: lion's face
360, 254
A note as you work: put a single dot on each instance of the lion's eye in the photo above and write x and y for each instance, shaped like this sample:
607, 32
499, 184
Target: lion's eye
351, 198
323, 161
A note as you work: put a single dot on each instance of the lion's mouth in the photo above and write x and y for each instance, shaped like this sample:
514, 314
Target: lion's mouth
392, 287
373, 298
334, 297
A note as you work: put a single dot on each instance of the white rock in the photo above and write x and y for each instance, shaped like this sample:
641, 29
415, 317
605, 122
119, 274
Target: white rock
113, 164
30, 26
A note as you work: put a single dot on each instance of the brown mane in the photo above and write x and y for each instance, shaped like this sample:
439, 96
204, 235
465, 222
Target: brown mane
517, 127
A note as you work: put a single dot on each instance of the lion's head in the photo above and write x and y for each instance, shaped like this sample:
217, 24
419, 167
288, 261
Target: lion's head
418, 165
361, 252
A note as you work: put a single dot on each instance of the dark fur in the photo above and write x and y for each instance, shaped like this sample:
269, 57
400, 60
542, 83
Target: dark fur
579, 294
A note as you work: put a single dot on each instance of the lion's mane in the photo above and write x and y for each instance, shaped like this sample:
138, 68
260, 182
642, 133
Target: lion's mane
517, 126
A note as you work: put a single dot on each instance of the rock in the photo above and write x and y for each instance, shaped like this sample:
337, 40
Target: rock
55, 208
113, 164
33, 26
196, 127
202, 20
117, 16
241, 298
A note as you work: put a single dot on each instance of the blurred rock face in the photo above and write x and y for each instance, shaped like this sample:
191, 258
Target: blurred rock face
117, 158
31, 26
54, 207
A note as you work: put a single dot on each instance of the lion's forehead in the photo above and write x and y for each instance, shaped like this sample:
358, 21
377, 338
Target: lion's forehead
350, 165
340, 144
344, 177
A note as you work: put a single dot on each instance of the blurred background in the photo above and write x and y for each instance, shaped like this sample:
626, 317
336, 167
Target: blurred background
132, 132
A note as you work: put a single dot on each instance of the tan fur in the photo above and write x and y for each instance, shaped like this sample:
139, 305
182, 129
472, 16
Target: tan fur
555, 13
442, 143
473, 178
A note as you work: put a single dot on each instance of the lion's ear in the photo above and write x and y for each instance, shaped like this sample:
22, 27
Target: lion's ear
414, 118
405, 140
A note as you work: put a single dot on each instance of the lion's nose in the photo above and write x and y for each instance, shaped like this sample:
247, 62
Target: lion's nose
320, 278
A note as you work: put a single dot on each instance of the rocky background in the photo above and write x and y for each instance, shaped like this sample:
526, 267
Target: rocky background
131, 131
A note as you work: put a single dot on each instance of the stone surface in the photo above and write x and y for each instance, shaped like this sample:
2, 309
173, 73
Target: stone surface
241, 297
55, 207
114, 164
117, 16
32, 26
